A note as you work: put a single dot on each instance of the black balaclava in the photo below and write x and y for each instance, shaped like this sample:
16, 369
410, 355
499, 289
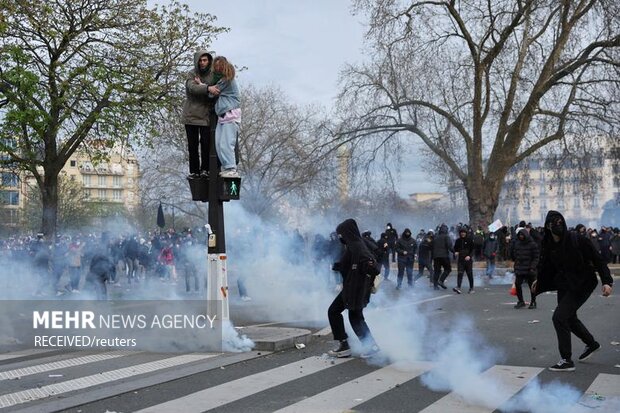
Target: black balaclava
407, 233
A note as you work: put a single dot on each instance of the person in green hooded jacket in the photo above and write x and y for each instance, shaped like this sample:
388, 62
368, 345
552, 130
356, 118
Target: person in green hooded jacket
195, 116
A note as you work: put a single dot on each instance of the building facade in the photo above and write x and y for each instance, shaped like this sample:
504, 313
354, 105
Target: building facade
115, 181
581, 188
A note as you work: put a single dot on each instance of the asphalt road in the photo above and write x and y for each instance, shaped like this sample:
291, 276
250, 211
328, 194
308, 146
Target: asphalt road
463, 337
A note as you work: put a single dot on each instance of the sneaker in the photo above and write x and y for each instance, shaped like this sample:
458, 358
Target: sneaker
471, 291
456, 290
229, 173
532, 305
246, 298
589, 351
398, 287
442, 285
193, 176
204, 174
370, 352
520, 304
342, 351
563, 365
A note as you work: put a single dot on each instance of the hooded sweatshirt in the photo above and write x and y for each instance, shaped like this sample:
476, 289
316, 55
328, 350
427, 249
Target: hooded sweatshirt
197, 103
357, 266
570, 263
525, 253
442, 244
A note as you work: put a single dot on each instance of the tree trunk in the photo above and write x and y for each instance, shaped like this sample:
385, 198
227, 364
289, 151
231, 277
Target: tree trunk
482, 202
49, 201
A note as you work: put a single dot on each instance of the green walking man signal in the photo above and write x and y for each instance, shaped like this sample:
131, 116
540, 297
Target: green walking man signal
233, 188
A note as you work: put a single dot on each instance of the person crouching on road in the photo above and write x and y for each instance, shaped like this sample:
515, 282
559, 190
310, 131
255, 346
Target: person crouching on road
567, 264
358, 268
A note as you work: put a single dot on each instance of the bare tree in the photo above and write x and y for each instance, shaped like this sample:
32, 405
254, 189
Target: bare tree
485, 84
278, 149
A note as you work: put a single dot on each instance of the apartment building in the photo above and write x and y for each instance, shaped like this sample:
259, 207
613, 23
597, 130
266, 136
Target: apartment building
115, 181
543, 183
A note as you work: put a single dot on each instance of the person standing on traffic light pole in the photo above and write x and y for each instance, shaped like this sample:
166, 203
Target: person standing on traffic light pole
228, 111
358, 269
195, 114
567, 264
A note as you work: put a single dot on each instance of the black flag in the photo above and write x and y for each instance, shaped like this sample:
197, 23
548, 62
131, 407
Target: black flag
161, 221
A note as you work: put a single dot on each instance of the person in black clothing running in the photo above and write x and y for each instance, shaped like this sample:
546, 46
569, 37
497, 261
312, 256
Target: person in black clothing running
358, 268
567, 264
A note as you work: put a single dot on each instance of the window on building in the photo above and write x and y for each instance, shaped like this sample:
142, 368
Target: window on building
561, 203
9, 179
595, 202
543, 204
117, 194
87, 193
576, 203
102, 193
116, 181
86, 180
102, 180
9, 197
73, 163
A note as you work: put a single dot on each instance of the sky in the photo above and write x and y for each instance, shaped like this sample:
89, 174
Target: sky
299, 46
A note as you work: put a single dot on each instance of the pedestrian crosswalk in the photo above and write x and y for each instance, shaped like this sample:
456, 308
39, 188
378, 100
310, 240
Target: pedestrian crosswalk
319, 384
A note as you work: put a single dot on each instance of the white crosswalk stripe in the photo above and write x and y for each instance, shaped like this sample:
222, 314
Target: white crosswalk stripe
55, 389
246, 386
22, 353
603, 395
371, 385
56, 365
355, 392
508, 379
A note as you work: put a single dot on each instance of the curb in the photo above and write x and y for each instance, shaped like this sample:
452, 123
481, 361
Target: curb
276, 338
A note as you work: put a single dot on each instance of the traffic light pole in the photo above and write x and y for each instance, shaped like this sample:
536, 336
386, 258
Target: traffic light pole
217, 277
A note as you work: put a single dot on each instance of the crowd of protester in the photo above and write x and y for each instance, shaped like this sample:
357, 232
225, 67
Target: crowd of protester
69, 263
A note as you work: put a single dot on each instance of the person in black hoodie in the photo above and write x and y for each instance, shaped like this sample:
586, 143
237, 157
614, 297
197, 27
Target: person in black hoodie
358, 268
384, 262
567, 264
405, 248
525, 256
392, 236
464, 249
425, 256
442, 247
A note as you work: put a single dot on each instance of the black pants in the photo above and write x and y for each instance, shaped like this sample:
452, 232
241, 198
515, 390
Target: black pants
356, 318
438, 264
565, 320
519, 278
385, 263
465, 267
405, 265
421, 265
197, 136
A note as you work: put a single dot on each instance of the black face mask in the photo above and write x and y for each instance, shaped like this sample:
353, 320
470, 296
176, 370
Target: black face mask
407, 234
342, 240
557, 229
